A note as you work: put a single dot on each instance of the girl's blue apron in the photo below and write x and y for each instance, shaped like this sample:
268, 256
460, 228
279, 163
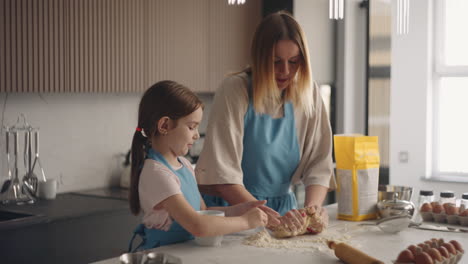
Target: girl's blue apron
269, 159
154, 237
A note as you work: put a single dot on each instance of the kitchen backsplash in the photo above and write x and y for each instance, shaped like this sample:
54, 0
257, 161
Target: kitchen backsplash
84, 137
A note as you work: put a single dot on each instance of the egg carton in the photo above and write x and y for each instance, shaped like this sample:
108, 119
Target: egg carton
445, 218
454, 259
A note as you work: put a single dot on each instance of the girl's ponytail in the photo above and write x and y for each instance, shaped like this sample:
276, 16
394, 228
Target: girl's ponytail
138, 156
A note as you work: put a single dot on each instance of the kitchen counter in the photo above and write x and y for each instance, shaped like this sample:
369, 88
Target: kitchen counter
110, 193
306, 249
73, 228
65, 206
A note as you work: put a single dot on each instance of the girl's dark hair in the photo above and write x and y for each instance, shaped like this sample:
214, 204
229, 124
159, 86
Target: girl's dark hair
165, 98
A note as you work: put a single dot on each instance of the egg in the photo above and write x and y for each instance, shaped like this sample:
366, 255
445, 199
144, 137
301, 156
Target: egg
457, 245
435, 254
464, 213
434, 204
444, 252
423, 258
414, 249
437, 209
425, 247
452, 210
426, 207
429, 243
447, 206
406, 256
450, 248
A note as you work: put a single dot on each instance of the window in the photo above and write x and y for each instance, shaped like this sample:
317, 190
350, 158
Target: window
450, 94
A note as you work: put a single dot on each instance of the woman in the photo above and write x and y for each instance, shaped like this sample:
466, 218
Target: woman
268, 129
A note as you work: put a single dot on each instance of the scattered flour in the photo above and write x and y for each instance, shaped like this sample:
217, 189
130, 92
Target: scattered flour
263, 239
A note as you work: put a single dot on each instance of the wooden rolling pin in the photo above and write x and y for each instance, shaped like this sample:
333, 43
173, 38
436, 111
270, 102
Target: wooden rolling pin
350, 255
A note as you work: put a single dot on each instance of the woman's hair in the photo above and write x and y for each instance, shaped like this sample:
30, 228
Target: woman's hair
273, 28
165, 98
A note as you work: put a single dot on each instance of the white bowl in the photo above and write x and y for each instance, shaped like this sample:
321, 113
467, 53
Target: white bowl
214, 241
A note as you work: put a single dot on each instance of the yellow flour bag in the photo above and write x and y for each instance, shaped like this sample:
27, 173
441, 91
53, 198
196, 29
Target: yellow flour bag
357, 175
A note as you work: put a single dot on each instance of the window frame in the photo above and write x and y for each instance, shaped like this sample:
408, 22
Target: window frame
441, 70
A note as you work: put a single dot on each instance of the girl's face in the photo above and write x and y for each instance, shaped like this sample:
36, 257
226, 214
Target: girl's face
287, 59
184, 132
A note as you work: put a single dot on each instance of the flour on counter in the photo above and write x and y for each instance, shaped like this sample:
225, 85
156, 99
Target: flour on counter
263, 239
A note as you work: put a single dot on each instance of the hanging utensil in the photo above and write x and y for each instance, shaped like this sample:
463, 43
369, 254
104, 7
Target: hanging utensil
30, 184
16, 183
33, 180
7, 183
25, 154
30, 181
37, 159
15, 194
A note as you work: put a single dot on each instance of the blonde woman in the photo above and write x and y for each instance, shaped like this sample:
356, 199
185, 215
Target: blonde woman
268, 129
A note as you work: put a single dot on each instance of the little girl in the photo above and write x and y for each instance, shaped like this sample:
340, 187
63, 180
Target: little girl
163, 184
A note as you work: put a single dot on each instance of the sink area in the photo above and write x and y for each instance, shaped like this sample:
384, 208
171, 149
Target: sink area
10, 219
7, 215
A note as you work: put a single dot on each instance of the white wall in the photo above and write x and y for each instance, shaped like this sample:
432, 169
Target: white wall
83, 136
350, 70
320, 32
409, 108
338, 56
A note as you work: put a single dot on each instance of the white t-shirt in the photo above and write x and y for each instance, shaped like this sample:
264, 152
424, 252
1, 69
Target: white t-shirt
157, 183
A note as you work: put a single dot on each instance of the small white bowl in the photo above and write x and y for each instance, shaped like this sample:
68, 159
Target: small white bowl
214, 241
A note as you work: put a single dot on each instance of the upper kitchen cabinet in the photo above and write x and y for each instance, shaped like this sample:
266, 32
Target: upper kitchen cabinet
122, 45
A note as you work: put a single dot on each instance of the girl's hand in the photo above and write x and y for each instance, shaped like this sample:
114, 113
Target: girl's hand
255, 218
293, 220
242, 208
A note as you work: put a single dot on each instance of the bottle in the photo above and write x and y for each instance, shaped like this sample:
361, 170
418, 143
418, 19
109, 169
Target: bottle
464, 201
447, 197
424, 213
425, 196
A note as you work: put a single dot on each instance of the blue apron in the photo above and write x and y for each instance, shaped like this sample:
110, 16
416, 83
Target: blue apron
269, 159
154, 237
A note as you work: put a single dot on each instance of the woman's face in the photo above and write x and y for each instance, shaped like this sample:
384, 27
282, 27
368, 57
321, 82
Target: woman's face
287, 59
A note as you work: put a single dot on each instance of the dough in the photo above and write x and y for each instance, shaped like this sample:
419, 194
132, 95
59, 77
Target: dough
313, 225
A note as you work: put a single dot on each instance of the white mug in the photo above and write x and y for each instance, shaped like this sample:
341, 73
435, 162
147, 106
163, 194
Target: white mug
214, 241
47, 189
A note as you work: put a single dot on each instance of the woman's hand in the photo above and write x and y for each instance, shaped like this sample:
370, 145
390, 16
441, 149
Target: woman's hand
322, 212
293, 220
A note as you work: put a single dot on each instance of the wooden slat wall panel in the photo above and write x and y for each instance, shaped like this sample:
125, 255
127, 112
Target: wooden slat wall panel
121, 45
3, 44
231, 29
8, 61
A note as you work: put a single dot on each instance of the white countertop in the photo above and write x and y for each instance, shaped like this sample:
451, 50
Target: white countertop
309, 248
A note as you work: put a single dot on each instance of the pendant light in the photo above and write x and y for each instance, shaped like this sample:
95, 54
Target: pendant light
402, 24
336, 9
238, 2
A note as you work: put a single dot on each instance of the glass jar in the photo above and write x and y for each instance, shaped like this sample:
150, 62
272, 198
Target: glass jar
464, 200
447, 197
425, 196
